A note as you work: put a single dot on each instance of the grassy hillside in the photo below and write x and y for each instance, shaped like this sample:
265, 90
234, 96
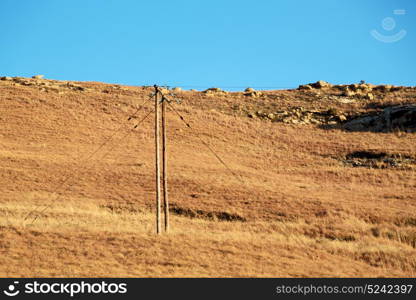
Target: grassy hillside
311, 199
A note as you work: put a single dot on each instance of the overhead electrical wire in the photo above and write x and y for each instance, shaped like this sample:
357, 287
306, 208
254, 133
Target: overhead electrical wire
84, 161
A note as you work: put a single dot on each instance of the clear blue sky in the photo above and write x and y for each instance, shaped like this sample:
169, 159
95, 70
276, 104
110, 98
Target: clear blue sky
188, 43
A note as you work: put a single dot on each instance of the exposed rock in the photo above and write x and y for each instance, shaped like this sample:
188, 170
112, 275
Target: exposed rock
260, 113
342, 118
48, 85
340, 87
38, 76
358, 91
214, 91
302, 116
354, 87
345, 100
305, 87
321, 84
396, 117
369, 96
249, 90
378, 160
366, 87
383, 88
78, 88
349, 93
253, 93
164, 91
6, 78
177, 89
317, 85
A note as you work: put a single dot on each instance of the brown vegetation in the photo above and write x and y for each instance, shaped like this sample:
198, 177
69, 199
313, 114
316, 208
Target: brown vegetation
303, 208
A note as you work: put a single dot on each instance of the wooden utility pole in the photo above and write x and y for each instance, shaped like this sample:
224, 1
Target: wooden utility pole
157, 160
165, 163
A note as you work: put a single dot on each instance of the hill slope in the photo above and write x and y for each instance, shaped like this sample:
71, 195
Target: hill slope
311, 199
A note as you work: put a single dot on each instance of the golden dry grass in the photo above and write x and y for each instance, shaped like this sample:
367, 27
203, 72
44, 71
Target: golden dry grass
299, 212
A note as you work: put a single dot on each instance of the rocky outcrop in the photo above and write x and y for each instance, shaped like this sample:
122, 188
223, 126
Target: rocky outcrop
317, 85
250, 92
362, 90
397, 117
301, 116
214, 91
44, 85
379, 160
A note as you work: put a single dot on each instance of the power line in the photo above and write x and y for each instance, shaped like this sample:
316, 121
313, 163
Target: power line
90, 168
86, 159
203, 142
109, 139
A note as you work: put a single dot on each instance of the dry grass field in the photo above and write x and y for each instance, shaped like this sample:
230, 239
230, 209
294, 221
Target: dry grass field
297, 208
